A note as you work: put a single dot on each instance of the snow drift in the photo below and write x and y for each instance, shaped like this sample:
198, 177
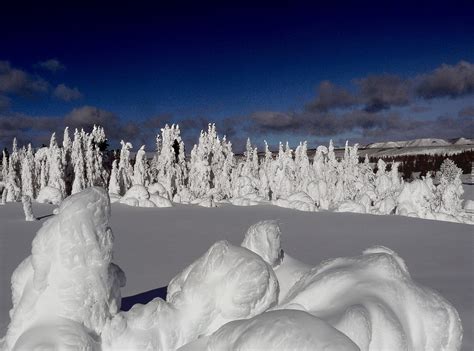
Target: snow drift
67, 293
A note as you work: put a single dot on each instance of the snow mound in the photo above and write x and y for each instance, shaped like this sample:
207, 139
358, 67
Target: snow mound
373, 300
160, 201
49, 195
68, 276
275, 330
298, 201
137, 191
158, 188
263, 238
243, 201
226, 283
351, 206
138, 196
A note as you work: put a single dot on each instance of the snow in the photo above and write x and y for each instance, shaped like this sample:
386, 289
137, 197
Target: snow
372, 299
170, 238
49, 195
276, 330
263, 238
69, 274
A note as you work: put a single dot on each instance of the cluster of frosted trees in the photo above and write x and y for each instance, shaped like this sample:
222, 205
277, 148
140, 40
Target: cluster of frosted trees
214, 175
54, 172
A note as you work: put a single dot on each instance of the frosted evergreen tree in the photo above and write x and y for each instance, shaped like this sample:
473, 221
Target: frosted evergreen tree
383, 182
77, 159
4, 166
114, 186
303, 169
139, 169
67, 160
56, 169
155, 161
169, 165
13, 182
449, 190
199, 169
27, 174
125, 170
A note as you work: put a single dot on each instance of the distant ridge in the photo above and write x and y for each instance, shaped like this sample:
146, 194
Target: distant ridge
420, 143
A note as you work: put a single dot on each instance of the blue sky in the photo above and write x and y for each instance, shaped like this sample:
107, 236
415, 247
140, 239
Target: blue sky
252, 68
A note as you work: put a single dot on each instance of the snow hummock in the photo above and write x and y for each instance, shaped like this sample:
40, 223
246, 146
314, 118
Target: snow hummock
49, 195
138, 196
276, 330
256, 296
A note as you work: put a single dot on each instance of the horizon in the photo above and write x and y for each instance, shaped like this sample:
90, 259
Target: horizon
287, 72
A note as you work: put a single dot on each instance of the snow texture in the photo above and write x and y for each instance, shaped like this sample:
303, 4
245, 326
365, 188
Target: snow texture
67, 293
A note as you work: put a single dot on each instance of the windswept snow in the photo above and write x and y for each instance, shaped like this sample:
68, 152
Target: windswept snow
231, 297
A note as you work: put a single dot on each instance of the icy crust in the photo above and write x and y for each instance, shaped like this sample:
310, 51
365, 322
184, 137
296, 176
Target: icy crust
225, 284
373, 300
275, 330
69, 275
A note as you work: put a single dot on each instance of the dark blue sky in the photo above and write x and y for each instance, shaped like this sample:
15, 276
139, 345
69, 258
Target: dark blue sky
143, 65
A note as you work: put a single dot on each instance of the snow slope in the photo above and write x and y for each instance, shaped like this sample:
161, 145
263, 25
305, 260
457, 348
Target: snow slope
153, 245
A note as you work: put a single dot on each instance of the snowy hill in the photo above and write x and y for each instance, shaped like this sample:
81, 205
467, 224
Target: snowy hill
412, 143
463, 141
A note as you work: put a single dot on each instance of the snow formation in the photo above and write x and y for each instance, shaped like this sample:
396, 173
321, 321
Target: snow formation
66, 294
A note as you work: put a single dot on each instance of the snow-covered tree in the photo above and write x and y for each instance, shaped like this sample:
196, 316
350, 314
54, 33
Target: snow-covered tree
449, 190
114, 185
140, 167
77, 159
13, 183
125, 170
27, 174
4, 166
56, 168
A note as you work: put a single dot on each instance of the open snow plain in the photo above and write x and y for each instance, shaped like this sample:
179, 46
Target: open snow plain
153, 245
